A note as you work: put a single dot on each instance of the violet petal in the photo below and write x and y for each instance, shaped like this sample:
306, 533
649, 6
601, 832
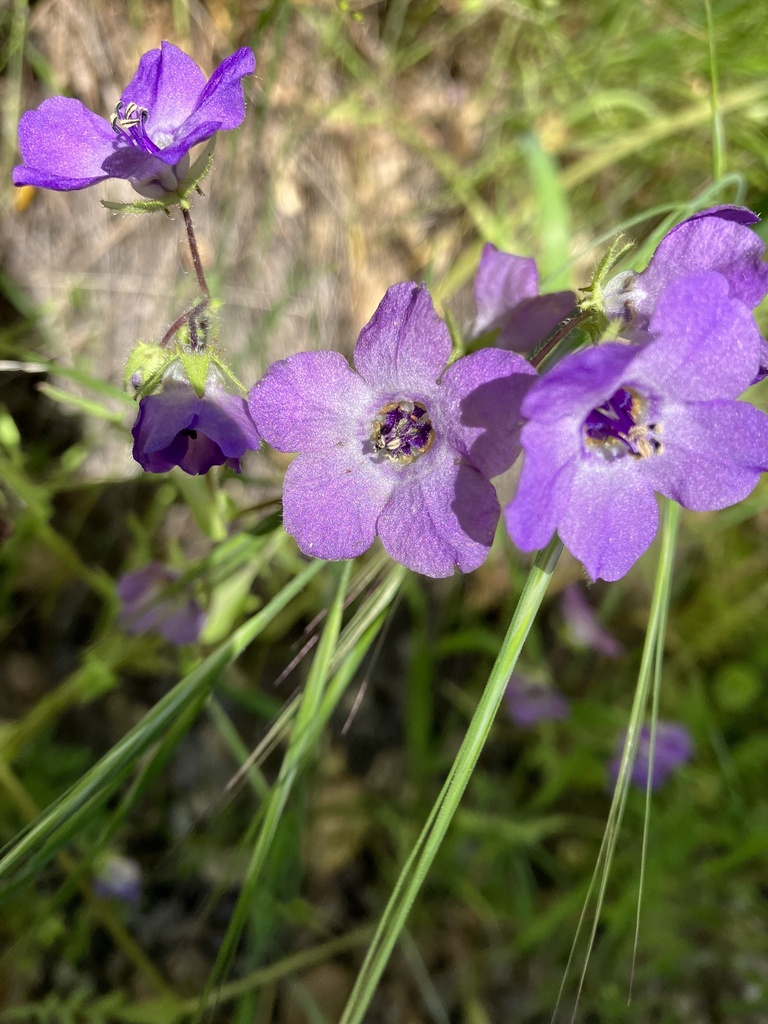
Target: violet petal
64, 146
442, 519
481, 396
332, 500
403, 349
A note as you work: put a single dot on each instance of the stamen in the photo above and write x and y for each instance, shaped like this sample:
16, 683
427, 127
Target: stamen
128, 122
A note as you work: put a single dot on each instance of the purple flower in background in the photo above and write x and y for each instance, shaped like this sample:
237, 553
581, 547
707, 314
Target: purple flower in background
584, 626
400, 446
177, 427
530, 702
610, 425
719, 240
674, 747
507, 299
150, 601
118, 878
166, 110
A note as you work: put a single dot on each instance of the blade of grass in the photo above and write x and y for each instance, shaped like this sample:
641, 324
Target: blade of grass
416, 867
99, 782
654, 638
295, 757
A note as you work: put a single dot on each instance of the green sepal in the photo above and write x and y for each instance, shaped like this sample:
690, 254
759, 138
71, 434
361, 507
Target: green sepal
143, 205
196, 366
194, 176
150, 362
593, 293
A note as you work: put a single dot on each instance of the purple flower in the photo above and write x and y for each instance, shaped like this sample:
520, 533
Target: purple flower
610, 425
719, 240
150, 601
674, 747
584, 626
177, 427
530, 702
402, 447
118, 878
166, 110
507, 299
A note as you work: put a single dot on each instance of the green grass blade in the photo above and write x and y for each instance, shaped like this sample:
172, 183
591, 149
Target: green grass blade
295, 756
416, 867
654, 641
100, 781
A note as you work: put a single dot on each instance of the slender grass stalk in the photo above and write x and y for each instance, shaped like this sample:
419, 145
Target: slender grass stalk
416, 867
654, 642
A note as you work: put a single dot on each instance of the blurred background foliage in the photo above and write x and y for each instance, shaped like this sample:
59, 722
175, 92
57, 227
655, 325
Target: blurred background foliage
383, 141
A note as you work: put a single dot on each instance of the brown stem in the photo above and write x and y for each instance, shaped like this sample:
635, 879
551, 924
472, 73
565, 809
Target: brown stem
549, 346
194, 252
184, 318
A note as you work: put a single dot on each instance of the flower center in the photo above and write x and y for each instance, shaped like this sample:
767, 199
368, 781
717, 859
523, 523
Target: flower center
620, 427
402, 431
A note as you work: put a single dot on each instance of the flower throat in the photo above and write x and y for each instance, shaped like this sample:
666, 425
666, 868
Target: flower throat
617, 428
402, 431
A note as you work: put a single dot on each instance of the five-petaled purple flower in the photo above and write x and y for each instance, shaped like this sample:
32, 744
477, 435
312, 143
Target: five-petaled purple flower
151, 601
530, 702
719, 240
507, 299
178, 427
166, 110
610, 425
402, 447
673, 748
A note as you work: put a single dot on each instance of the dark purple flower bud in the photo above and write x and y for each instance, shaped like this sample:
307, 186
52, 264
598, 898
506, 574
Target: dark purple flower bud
584, 626
152, 600
674, 747
530, 702
507, 299
166, 110
611, 425
177, 427
401, 446
719, 240
118, 878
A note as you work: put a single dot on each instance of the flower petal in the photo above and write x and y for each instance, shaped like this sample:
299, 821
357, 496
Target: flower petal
549, 462
332, 500
203, 453
534, 320
707, 345
162, 416
310, 401
712, 240
224, 418
441, 520
222, 102
479, 398
64, 146
611, 516
713, 454
404, 348
168, 84
502, 282
579, 383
